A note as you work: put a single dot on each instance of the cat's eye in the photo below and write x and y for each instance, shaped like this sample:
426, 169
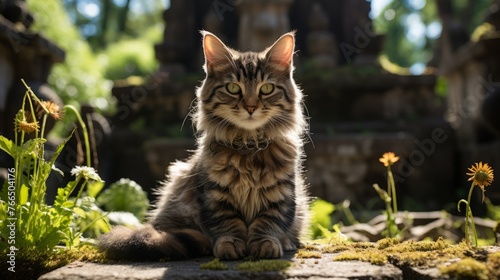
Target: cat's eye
233, 88
267, 88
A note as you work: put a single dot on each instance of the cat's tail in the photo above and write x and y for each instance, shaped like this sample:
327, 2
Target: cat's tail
147, 243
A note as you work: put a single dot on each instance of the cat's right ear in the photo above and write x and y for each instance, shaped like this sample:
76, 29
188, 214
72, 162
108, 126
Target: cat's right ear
217, 55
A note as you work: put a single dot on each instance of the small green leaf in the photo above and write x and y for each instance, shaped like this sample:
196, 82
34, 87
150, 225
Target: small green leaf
68, 204
63, 193
94, 188
80, 212
7, 146
60, 148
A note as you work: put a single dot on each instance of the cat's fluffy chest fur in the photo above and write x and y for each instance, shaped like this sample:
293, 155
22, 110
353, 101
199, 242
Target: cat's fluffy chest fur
250, 175
241, 193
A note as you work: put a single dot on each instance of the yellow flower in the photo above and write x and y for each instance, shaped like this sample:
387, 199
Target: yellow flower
28, 127
51, 108
481, 175
388, 159
24, 122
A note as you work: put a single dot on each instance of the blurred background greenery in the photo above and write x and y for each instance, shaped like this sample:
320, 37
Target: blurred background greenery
108, 40
103, 40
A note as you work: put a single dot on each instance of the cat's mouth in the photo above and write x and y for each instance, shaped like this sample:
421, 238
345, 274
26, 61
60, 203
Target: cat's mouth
252, 122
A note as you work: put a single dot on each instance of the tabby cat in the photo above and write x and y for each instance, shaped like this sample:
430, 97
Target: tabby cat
241, 193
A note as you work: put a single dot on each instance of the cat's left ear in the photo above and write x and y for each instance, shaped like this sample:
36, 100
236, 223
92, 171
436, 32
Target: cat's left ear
217, 55
280, 54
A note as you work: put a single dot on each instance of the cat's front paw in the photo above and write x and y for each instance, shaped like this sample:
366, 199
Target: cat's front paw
265, 248
229, 248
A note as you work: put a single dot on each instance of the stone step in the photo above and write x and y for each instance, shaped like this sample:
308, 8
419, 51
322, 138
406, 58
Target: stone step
312, 262
323, 268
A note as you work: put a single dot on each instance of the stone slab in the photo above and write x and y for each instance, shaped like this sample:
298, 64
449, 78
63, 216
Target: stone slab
311, 269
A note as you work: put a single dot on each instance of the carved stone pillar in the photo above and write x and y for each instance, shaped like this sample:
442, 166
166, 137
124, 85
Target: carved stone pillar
262, 22
321, 43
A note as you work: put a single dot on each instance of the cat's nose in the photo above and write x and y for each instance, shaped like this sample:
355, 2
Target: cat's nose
250, 108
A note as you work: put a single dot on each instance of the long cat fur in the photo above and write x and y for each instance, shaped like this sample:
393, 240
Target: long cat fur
241, 193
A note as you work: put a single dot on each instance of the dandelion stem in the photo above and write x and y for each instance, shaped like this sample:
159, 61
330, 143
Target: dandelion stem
44, 121
85, 132
32, 94
466, 228
390, 219
469, 215
348, 214
390, 181
76, 182
392, 229
19, 169
80, 191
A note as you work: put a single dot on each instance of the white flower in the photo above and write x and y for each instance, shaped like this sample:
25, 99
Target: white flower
86, 172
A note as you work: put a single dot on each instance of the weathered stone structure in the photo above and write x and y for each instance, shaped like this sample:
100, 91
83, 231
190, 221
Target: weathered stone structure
358, 110
473, 74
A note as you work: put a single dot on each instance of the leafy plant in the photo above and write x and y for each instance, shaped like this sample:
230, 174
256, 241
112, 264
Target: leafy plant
127, 196
389, 197
391, 229
321, 220
26, 221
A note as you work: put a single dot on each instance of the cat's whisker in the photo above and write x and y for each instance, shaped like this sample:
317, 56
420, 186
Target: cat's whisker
192, 110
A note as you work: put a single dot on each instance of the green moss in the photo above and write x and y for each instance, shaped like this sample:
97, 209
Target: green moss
308, 254
362, 245
264, 265
214, 264
387, 242
423, 254
33, 263
408, 253
467, 268
414, 259
493, 264
417, 246
372, 256
310, 247
335, 248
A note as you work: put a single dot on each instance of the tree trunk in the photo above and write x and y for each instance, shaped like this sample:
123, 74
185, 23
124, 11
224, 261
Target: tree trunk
122, 21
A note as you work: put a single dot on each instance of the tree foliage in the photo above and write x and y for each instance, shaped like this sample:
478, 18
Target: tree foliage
80, 78
120, 45
107, 21
397, 20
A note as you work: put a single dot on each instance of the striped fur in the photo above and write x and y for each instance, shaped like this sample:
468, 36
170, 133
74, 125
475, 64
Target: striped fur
241, 193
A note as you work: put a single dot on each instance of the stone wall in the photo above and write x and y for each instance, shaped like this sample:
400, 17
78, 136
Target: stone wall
344, 165
358, 111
